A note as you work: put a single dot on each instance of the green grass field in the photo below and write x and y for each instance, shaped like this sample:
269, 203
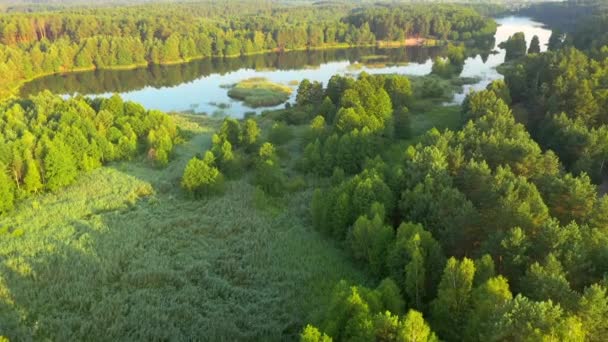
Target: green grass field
260, 92
123, 254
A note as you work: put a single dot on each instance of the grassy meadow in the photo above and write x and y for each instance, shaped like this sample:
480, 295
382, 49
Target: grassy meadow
125, 242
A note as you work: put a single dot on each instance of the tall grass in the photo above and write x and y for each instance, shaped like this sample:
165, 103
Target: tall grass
123, 254
260, 92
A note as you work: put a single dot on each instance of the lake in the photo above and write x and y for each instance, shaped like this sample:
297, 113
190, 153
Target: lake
200, 86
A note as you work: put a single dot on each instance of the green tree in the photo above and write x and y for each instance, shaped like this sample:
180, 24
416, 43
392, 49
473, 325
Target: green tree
268, 174
487, 303
451, 307
309, 93
251, 132
7, 192
370, 239
231, 131
59, 166
534, 45
526, 320
201, 177
413, 328
32, 182
402, 123
515, 46
556, 40
484, 269
593, 312
548, 282
312, 334
399, 89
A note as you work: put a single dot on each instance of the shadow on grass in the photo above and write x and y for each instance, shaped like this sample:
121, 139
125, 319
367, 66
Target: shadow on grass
125, 255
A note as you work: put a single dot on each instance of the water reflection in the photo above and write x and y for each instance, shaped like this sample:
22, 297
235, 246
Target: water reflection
485, 68
200, 85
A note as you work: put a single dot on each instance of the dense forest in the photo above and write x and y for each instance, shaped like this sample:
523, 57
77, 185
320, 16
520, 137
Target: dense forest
370, 208
45, 43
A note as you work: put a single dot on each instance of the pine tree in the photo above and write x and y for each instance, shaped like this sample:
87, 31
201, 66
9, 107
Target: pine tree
593, 311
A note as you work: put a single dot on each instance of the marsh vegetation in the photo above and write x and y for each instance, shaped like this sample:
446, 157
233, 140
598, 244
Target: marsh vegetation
260, 92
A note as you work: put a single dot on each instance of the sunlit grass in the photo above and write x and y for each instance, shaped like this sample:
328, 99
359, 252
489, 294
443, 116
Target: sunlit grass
260, 92
124, 254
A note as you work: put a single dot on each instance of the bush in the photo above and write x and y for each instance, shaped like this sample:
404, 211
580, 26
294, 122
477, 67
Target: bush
298, 115
280, 134
269, 177
201, 178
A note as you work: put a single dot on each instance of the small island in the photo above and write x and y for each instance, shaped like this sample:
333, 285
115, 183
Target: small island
260, 92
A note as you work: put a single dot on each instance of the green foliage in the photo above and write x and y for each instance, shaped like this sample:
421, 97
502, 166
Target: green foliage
399, 89
402, 123
548, 282
484, 269
534, 45
452, 65
515, 46
449, 310
309, 93
415, 260
231, 132
369, 241
501, 90
7, 195
61, 139
523, 319
593, 311
487, 304
251, 133
59, 165
357, 313
280, 134
312, 334
268, 174
201, 178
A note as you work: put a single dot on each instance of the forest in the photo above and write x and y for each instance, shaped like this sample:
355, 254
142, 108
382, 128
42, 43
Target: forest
367, 208
100, 38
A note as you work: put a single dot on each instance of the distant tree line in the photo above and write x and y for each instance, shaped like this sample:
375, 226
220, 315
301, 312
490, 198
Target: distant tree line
119, 81
43, 43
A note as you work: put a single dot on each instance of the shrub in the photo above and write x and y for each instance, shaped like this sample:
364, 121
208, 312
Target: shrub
280, 133
202, 178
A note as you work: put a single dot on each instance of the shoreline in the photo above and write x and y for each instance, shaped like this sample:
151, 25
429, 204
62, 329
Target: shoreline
410, 42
